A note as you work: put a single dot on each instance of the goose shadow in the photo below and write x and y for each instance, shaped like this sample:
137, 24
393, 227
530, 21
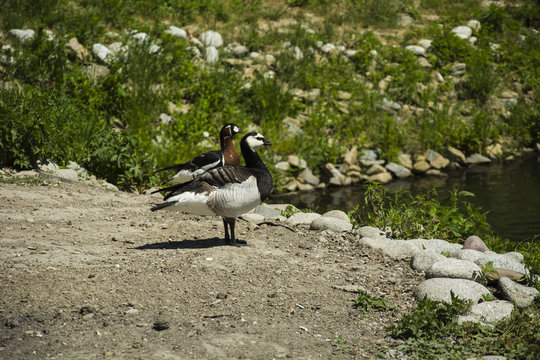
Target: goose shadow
185, 244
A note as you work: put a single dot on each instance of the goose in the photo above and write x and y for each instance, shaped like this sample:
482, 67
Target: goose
228, 155
227, 191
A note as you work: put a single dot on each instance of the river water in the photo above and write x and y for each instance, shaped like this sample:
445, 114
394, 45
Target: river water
510, 192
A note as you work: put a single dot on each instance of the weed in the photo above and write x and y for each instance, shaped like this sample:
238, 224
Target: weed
366, 302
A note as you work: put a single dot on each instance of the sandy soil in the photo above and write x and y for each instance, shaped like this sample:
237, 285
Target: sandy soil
88, 273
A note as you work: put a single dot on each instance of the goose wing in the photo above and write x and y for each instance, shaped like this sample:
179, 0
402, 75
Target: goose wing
204, 161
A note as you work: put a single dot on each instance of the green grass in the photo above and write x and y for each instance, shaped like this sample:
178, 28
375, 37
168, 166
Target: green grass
56, 91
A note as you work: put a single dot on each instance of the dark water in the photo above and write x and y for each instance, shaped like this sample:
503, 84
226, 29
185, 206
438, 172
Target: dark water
510, 192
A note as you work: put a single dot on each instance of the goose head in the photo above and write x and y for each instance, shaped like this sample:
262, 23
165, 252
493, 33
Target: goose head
230, 130
255, 141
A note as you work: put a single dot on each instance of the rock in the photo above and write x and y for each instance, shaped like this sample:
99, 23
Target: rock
378, 243
466, 254
326, 48
476, 159
416, 50
454, 268
22, 35
96, 72
438, 289
434, 244
399, 250
424, 63
351, 156
293, 160
330, 223
434, 172
517, 256
384, 177
80, 51
253, 218
338, 214
266, 211
475, 243
301, 218
405, 160
391, 104
425, 43
308, 177
336, 177
371, 232
68, 174
520, 295
103, 53
160, 325
283, 166
212, 38
239, 50
375, 169
474, 25
165, 119
211, 55
494, 151
436, 160
463, 32
459, 69
500, 261
488, 312
344, 95
399, 171
423, 260
455, 155
500, 273
176, 32
421, 166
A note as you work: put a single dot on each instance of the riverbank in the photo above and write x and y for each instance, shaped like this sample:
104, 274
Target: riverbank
92, 273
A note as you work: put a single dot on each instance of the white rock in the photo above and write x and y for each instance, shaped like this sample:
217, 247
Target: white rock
351, 53
438, 289
501, 261
371, 232
435, 244
400, 250
212, 38
425, 43
68, 174
211, 55
488, 312
253, 218
338, 214
454, 268
267, 211
476, 158
140, 36
467, 254
254, 55
177, 32
297, 53
330, 223
463, 32
400, 171
423, 260
302, 218
326, 48
520, 295
517, 256
282, 166
474, 25
416, 50
103, 53
391, 104
377, 243
22, 35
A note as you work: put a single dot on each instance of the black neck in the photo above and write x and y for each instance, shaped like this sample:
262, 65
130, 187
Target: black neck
254, 162
251, 157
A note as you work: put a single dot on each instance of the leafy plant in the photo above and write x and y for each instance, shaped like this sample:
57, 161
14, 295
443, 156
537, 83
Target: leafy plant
366, 302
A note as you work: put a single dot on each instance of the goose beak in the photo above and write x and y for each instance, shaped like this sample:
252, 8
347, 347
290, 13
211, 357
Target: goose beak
267, 143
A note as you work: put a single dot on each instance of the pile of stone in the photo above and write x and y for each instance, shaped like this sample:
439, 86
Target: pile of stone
73, 172
461, 270
469, 271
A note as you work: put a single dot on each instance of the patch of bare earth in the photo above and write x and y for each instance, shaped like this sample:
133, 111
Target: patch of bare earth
88, 273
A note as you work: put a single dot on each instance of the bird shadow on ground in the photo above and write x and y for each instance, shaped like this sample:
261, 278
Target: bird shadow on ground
185, 244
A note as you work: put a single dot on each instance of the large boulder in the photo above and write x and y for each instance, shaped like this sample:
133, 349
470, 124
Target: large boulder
520, 295
439, 289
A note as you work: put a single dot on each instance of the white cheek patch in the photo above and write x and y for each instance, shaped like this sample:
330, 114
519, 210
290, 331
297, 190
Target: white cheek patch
236, 129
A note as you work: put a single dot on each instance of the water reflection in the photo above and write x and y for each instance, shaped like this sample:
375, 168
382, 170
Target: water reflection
510, 192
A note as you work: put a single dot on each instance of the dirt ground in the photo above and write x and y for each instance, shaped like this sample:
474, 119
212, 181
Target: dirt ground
89, 273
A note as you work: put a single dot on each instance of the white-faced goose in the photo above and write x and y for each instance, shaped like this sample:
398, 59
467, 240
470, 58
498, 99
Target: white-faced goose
227, 191
228, 155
